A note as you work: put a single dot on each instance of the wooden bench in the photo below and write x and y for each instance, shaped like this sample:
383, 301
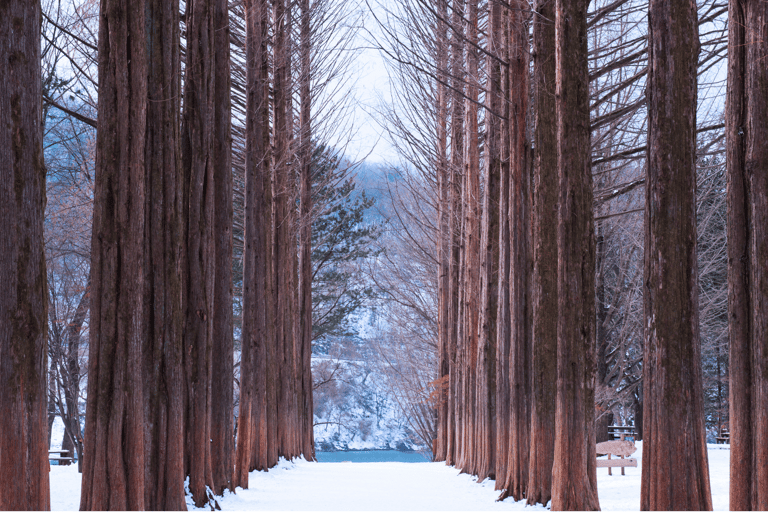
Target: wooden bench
620, 449
61, 456
621, 432
724, 437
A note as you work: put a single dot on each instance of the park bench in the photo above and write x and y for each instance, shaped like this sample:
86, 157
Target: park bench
622, 432
619, 449
61, 456
724, 437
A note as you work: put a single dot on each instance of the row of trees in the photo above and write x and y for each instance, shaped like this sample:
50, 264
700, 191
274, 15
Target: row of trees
155, 288
529, 348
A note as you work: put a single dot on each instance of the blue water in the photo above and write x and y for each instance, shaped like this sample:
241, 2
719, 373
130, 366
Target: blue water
371, 456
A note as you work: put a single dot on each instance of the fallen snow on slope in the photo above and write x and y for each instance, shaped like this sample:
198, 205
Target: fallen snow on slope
302, 485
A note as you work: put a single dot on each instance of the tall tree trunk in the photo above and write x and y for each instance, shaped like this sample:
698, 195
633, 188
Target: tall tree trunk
603, 419
489, 428
471, 233
439, 450
197, 146
113, 466
497, 185
544, 288
456, 65
747, 162
675, 469
574, 472
284, 245
520, 350
24, 301
163, 258
222, 428
72, 382
253, 420
307, 446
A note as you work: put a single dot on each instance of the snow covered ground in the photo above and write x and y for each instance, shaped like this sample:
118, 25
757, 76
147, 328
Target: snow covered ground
305, 485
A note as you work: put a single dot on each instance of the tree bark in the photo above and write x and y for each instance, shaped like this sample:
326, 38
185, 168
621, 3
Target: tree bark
495, 322
72, 382
439, 451
518, 212
491, 385
253, 420
197, 147
163, 252
284, 252
544, 292
456, 65
113, 466
747, 189
24, 301
307, 446
469, 327
675, 470
574, 477
222, 428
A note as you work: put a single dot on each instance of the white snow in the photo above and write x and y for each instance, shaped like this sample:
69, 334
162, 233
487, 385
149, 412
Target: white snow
302, 485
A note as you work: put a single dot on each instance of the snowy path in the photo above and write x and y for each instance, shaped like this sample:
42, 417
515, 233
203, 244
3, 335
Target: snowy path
394, 486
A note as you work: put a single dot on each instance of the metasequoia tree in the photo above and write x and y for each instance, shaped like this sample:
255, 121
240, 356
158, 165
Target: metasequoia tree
674, 447
747, 185
284, 243
456, 70
256, 343
113, 469
469, 275
306, 415
574, 476
494, 271
518, 211
198, 139
222, 421
440, 388
607, 84
544, 241
163, 241
23, 305
275, 410
492, 391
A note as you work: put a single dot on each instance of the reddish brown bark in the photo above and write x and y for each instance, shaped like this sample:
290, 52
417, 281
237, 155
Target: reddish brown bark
222, 428
497, 243
440, 388
574, 477
253, 421
675, 469
163, 252
470, 267
520, 350
284, 246
23, 303
747, 185
198, 139
306, 412
544, 286
487, 393
456, 65
113, 466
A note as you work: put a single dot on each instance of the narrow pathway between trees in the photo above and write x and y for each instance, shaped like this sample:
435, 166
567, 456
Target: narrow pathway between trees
393, 486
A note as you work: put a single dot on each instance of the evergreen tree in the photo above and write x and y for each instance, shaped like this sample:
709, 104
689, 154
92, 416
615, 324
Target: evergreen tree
341, 237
